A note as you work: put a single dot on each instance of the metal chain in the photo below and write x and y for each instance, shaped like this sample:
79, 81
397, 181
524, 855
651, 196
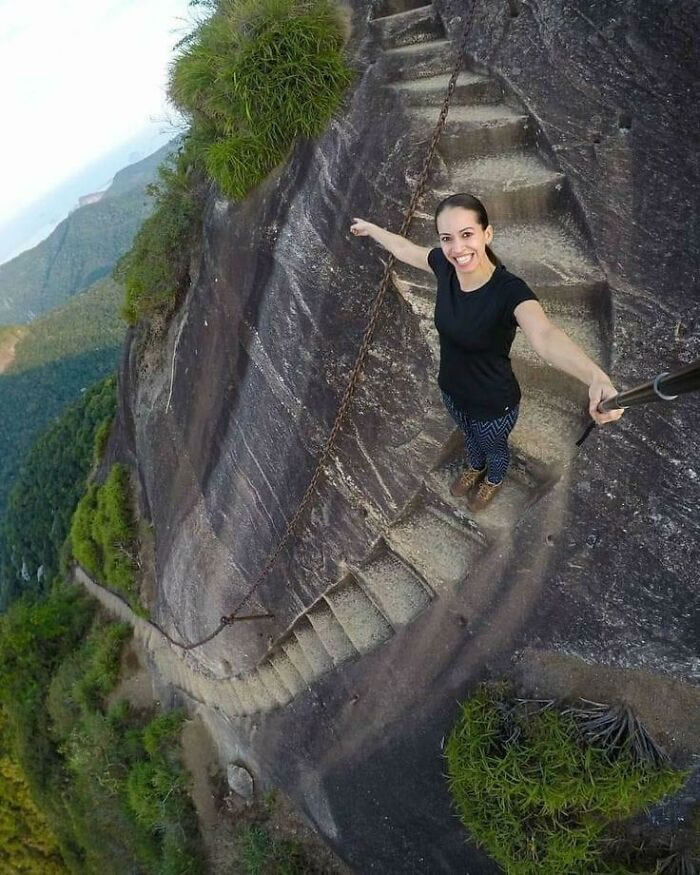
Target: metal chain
355, 374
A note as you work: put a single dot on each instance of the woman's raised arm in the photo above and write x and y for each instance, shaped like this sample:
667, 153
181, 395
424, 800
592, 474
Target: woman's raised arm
400, 247
557, 348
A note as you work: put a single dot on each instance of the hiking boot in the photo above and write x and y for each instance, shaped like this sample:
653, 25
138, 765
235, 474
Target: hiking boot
484, 495
466, 481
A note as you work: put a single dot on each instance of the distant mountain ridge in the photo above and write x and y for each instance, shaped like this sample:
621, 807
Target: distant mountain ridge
82, 249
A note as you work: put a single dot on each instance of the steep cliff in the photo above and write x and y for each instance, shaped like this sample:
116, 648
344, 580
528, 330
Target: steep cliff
392, 601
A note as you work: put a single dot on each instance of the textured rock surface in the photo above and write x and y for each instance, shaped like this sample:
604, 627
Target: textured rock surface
224, 428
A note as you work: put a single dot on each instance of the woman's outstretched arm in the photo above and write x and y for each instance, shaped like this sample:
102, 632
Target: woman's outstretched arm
559, 350
400, 247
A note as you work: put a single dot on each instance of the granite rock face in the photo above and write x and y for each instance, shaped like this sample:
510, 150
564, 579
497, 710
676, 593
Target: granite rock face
224, 424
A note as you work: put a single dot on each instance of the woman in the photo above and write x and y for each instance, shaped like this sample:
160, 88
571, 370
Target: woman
479, 304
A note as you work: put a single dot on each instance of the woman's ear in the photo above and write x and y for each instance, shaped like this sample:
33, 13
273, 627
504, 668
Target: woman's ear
488, 234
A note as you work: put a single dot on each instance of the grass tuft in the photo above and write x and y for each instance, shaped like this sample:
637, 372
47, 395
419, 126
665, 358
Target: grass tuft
677, 864
533, 793
252, 78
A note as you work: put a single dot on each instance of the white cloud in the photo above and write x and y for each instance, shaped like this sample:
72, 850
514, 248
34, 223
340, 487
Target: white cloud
78, 78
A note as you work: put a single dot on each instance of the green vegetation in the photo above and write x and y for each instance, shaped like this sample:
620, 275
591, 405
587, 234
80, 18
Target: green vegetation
49, 486
103, 535
109, 780
252, 78
87, 321
534, 794
80, 251
27, 844
262, 854
58, 356
155, 270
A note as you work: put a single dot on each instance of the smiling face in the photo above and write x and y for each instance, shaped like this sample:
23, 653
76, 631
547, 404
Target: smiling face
464, 243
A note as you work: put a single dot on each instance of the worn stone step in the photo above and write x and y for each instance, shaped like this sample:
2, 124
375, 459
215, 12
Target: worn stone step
396, 7
245, 695
420, 60
314, 649
287, 672
362, 622
514, 188
502, 514
440, 551
548, 427
259, 691
331, 633
226, 699
545, 255
471, 88
298, 658
409, 27
277, 690
480, 130
395, 587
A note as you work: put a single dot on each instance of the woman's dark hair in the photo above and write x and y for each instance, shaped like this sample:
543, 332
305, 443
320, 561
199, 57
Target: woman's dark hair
469, 202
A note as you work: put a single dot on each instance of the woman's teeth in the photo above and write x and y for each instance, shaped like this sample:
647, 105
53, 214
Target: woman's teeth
463, 259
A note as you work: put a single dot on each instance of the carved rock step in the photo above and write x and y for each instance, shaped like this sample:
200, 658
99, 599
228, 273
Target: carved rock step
395, 7
502, 514
545, 254
245, 696
420, 60
279, 693
332, 635
227, 700
395, 587
548, 427
287, 672
514, 188
298, 658
442, 552
471, 88
362, 622
259, 691
412, 26
314, 650
483, 129
534, 372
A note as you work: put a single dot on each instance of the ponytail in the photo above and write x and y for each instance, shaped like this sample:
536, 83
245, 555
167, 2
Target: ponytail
493, 258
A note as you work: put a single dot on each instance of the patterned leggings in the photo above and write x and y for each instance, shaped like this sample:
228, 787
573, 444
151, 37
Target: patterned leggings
486, 441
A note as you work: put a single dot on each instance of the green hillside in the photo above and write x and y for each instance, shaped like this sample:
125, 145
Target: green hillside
88, 321
82, 249
57, 357
51, 480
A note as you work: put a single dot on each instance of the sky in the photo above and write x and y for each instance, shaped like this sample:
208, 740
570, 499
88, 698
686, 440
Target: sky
79, 78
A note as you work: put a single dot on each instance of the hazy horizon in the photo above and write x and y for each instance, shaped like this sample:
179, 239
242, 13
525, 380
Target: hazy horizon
88, 77
34, 224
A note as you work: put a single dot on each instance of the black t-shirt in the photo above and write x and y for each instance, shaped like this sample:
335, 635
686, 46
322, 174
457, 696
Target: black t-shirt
476, 333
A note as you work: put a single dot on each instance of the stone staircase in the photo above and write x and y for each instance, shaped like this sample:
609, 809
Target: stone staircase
488, 148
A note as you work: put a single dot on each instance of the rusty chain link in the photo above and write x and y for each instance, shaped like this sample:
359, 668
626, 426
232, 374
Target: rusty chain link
355, 374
